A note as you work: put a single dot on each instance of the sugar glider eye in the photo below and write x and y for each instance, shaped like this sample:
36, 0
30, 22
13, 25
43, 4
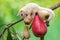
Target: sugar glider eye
26, 14
21, 14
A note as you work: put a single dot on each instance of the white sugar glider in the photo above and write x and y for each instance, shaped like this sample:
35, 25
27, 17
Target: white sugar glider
29, 10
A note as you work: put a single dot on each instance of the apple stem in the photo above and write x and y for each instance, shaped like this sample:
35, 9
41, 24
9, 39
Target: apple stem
41, 38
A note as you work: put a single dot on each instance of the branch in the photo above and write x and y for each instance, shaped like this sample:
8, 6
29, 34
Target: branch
11, 24
55, 6
8, 26
2, 36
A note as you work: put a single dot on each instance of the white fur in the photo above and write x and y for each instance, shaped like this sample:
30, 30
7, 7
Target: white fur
51, 13
33, 8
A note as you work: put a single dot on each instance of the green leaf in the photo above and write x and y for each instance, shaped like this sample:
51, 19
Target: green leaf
15, 36
9, 36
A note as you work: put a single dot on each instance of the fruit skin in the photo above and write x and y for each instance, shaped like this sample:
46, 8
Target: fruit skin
39, 28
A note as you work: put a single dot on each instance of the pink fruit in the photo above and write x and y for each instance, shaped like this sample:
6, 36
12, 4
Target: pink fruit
39, 28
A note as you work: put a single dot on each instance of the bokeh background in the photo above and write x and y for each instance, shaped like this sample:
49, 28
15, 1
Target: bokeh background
9, 10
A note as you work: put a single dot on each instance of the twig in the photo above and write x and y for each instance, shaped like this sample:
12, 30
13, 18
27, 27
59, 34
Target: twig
11, 24
55, 6
2, 36
41, 38
8, 26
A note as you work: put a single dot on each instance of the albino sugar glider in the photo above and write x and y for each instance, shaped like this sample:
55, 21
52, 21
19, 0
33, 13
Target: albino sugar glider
29, 10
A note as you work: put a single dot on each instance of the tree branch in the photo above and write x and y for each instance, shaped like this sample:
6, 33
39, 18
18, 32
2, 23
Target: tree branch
55, 6
8, 26
2, 36
11, 24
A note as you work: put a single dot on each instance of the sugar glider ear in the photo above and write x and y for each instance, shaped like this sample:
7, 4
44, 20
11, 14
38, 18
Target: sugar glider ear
52, 15
19, 13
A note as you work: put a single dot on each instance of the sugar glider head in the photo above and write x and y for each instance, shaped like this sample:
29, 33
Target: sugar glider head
26, 15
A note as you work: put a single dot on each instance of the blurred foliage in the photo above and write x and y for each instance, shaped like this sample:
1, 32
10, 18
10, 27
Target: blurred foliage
9, 37
9, 10
12, 35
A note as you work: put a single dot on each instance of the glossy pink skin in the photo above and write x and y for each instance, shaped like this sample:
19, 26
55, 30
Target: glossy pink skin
39, 28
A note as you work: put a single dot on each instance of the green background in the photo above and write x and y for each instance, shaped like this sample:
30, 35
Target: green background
9, 10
